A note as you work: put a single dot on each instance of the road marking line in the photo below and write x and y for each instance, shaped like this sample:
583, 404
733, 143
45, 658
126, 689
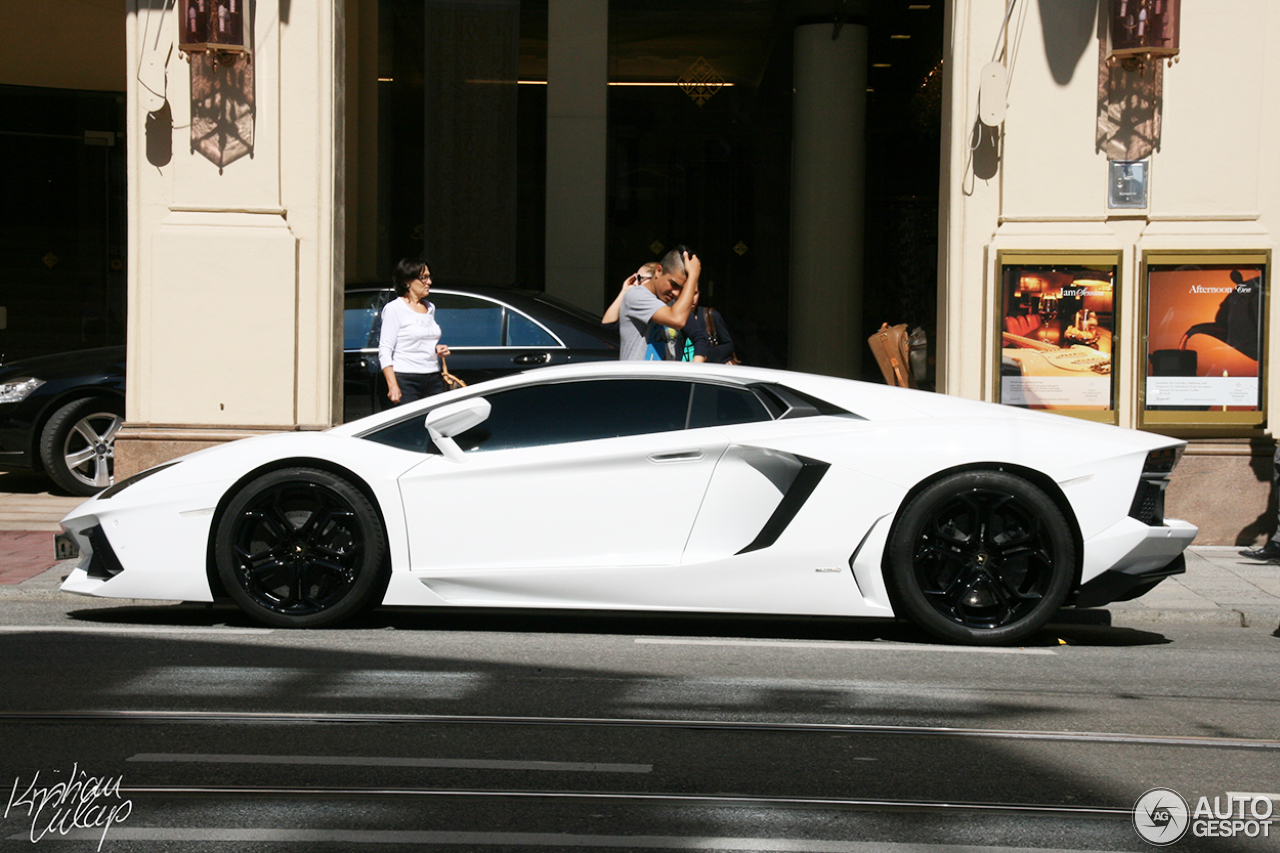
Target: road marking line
529, 839
284, 717
135, 629
381, 761
842, 646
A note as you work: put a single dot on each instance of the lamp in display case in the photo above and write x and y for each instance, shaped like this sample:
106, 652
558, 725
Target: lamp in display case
1142, 30
213, 27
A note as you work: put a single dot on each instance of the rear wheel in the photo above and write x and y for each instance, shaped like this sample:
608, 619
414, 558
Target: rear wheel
300, 547
77, 445
981, 557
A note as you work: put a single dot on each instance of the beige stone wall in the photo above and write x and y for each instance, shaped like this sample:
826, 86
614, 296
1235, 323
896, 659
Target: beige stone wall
1038, 185
235, 233
1225, 488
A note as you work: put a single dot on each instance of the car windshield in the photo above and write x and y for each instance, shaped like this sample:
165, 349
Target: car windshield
360, 310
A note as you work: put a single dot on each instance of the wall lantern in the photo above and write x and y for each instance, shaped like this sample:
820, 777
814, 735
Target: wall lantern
1141, 30
215, 27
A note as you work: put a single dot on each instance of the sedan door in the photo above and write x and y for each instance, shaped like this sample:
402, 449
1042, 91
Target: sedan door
489, 339
570, 494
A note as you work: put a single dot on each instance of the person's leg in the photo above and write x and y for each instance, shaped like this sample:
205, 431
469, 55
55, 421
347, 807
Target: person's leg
413, 386
433, 383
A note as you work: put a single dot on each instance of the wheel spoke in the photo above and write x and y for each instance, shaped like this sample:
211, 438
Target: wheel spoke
75, 460
86, 431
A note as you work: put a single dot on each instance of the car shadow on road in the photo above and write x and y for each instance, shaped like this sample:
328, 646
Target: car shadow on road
694, 625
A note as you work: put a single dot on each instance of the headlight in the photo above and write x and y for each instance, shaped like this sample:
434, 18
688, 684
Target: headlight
1164, 460
16, 390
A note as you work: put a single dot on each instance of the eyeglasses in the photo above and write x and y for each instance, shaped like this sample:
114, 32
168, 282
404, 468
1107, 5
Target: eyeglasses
426, 276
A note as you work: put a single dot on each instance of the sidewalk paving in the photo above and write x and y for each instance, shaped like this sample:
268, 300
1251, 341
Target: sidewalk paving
1219, 588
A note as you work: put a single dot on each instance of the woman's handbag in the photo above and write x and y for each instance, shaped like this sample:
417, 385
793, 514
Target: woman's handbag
713, 338
451, 382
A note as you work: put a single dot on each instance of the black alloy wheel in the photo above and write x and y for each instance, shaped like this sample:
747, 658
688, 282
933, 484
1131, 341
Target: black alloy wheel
300, 547
981, 557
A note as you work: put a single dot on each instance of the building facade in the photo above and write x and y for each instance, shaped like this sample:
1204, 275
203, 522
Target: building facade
1001, 174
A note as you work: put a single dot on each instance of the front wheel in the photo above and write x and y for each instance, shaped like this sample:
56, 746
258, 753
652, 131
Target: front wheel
77, 446
981, 557
300, 548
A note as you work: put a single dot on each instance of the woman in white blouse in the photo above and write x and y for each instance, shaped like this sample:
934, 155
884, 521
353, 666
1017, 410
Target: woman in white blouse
409, 347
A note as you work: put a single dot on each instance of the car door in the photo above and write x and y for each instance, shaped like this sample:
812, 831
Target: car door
568, 495
488, 338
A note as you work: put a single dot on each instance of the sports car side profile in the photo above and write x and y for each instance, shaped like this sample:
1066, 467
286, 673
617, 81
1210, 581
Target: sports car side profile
656, 486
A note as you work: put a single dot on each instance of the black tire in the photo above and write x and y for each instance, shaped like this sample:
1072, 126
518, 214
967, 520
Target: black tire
300, 548
981, 557
77, 445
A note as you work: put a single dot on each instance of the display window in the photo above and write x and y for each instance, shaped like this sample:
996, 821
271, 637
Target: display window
1057, 324
1205, 336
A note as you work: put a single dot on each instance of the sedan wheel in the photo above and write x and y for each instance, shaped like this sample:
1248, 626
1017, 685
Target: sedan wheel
300, 547
77, 446
981, 557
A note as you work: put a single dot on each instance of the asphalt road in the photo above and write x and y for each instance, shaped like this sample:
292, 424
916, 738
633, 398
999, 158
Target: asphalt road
508, 731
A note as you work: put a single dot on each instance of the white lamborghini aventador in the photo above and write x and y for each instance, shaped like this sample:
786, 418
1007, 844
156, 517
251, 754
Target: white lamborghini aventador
656, 486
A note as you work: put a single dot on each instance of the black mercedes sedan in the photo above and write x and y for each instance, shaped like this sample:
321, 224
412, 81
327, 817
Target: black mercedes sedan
60, 413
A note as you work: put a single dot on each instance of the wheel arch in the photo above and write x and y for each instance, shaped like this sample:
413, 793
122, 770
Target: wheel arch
210, 563
1036, 478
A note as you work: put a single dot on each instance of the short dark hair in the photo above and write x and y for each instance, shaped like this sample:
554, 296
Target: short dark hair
406, 271
673, 261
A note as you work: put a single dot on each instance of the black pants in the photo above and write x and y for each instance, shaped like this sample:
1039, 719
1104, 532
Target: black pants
415, 386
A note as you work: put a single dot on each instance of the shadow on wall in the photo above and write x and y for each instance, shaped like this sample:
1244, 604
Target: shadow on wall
1069, 27
222, 108
1263, 465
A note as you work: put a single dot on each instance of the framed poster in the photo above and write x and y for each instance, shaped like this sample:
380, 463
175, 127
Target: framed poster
1057, 326
1205, 338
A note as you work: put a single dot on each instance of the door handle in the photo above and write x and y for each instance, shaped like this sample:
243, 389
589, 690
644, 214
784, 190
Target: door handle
533, 358
677, 456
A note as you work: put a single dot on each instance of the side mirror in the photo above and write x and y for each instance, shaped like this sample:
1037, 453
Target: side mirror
454, 419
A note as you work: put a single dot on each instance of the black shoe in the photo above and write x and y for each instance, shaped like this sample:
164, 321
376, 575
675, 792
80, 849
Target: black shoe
1270, 551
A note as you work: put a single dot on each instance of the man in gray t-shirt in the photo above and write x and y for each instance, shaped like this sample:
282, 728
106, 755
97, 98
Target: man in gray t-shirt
646, 302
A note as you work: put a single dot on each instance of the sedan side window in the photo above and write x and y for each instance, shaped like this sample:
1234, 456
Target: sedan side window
539, 415
523, 332
468, 322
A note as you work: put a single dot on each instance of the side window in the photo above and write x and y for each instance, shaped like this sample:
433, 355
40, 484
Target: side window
468, 322
523, 332
408, 435
539, 415
721, 405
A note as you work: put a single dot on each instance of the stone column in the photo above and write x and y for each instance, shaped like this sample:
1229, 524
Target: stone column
235, 235
828, 184
577, 132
